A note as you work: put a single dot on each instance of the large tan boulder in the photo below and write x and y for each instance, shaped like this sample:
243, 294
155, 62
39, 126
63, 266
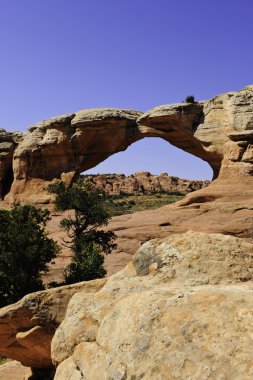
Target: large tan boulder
203, 333
27, 327
182, 309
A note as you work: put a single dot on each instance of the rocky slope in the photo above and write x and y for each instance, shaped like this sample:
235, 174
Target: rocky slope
143, 183
181, 309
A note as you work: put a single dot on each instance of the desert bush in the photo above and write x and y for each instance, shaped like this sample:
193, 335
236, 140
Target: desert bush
86, 238
25, 251
190, 99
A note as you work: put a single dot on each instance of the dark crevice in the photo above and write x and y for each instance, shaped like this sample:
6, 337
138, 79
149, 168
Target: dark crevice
9, 177
42, 374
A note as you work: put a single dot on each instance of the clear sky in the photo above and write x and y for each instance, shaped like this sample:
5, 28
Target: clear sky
60, 56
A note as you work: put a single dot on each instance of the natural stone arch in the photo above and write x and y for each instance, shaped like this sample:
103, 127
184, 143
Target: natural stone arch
218, 131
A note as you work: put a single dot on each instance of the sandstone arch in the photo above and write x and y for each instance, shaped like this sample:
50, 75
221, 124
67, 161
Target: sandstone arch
218, 131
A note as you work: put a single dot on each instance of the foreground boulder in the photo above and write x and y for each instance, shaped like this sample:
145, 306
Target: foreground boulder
14, 370
27, 327
182, 309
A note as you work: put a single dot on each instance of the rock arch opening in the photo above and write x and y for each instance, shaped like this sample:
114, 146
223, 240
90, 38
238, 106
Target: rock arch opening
155, 155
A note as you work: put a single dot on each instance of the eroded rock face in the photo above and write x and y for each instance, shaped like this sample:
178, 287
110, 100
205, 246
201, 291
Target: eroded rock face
27, 327
217, 131
8, 143
181, 309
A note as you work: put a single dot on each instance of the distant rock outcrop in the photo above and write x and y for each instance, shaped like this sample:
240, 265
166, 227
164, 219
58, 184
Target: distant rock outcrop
143, 183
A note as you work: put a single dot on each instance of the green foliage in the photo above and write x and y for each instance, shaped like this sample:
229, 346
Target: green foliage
127, 204
25, 251
190, 99
83, 227
86, 265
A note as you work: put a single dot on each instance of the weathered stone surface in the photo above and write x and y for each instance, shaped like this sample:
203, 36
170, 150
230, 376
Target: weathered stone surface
170, 335
13, 370
181, 309
143, 183
27, 327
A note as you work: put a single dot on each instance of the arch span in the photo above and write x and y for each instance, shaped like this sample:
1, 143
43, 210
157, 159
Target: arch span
66, 145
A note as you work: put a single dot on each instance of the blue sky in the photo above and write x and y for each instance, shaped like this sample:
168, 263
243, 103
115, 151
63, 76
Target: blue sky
60, 56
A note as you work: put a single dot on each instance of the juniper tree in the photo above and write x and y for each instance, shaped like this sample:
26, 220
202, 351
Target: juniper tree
83, 225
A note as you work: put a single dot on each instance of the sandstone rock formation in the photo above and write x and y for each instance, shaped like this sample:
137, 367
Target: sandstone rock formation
27, 327
143, 183
181, 309
218, 131
14, 370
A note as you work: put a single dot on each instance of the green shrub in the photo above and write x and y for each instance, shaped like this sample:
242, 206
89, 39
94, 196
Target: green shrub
190, 99
25, 251
86, 238
86, 265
